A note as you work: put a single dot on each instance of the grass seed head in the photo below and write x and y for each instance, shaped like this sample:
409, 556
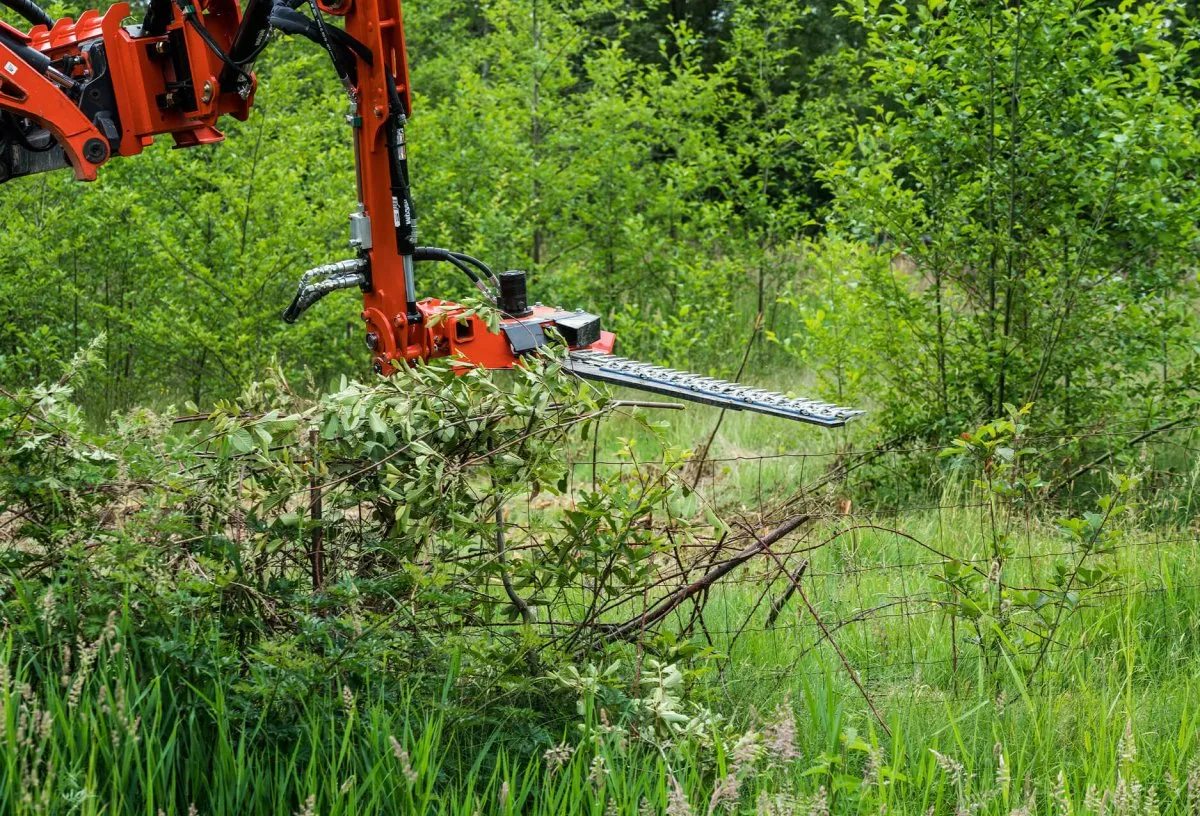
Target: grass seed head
557, 757
598, 773
746, 752
725, 794
49, 610
875, 758
402, 757
951, 767
1150, 802
780, 736
310, 806
677, 800
1126, 747
1061, 797
820, 803
781, 804
65, 680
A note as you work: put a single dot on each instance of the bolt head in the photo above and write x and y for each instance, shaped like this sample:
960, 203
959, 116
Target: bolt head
209, 90
95, 151
372, 341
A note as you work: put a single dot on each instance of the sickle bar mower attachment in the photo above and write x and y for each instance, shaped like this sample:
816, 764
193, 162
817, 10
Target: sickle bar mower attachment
447, 330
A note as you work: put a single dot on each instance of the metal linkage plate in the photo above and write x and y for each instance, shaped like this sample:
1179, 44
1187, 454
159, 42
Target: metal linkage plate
594, 365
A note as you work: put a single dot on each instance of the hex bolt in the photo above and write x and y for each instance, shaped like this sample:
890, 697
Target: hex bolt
207, 96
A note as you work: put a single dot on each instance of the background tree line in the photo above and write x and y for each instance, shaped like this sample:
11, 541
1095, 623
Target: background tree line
938, 207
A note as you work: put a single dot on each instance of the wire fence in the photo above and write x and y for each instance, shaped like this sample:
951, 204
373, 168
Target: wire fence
963, 591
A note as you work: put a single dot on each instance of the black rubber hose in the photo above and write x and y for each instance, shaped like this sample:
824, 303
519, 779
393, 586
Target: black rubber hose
253, 33
291, 21
454, 259
439, 254
215, 46
484, 268
36, 59
30, 10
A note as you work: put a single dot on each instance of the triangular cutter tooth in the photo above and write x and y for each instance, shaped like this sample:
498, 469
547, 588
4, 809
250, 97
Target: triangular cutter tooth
608, 368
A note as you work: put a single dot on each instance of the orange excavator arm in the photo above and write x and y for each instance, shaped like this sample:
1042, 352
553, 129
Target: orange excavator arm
76, 93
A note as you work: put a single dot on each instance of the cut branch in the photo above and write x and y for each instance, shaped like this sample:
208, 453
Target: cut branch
666, 605
779, 603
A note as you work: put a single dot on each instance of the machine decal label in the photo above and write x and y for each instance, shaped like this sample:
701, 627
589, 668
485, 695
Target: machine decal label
11, 68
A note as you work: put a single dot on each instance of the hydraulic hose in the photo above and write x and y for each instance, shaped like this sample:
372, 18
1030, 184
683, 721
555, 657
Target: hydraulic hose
291, 21
36, 60
455, 259
484, 268
30, 11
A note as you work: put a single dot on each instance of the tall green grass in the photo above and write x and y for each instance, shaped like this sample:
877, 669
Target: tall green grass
1109, 726
1112, 728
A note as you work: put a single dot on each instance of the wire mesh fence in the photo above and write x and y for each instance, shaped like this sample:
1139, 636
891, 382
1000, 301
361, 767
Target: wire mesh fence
967, 590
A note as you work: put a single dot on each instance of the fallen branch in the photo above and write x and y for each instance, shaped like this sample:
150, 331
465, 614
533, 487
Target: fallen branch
779, 603
1100, 460
671, 602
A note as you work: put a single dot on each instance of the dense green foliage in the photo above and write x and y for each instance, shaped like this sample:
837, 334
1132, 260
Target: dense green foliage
299, 593
292, 605
938, 208
1033, 166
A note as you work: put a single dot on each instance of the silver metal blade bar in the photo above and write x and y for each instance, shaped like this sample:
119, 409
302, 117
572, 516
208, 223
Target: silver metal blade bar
607, 368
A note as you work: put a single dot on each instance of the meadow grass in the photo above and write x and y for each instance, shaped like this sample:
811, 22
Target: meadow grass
942, 724
1109, 726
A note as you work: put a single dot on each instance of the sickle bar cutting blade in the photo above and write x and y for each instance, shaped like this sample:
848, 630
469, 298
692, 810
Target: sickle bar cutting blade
607, 368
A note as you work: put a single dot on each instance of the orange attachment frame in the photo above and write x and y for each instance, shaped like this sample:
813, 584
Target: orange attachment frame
378, 24
141, 70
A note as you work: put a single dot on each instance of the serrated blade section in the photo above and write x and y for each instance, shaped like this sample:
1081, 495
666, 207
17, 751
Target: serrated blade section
607, 368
